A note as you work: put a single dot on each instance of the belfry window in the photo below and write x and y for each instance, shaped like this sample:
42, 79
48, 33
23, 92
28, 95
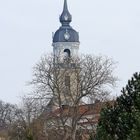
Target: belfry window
67, 53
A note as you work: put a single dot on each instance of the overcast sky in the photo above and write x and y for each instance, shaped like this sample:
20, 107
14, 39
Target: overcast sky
108, 27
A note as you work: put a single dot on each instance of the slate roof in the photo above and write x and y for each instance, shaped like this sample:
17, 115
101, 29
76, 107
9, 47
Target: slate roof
65, 20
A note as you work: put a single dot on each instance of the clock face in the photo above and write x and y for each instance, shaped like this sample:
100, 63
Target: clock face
66, 36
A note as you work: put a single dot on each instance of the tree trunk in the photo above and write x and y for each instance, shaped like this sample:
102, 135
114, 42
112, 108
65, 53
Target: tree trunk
66, 135
73, 134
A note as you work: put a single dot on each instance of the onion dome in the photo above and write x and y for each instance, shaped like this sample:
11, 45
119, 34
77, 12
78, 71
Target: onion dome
65, 33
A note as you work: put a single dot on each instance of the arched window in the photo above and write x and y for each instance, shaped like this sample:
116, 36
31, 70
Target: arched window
67, 51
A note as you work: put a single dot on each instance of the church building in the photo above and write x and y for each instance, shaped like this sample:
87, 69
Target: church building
68, 116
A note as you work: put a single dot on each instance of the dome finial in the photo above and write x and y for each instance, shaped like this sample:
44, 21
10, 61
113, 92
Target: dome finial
65, 17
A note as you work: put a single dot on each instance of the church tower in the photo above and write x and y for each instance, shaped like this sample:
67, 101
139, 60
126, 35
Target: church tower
65, 50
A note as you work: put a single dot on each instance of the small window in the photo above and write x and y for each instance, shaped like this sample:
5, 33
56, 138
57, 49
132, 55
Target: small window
67, 81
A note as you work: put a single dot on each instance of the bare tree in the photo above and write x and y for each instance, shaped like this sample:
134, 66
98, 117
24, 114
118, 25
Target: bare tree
20, 123
9, 116
71, 83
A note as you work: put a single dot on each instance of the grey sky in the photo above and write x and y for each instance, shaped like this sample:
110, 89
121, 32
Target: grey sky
108, 27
